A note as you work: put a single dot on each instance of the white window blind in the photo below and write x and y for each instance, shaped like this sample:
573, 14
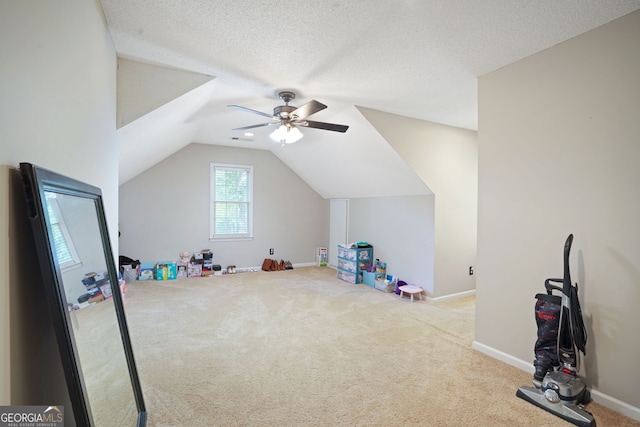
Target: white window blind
231, 201
64, 248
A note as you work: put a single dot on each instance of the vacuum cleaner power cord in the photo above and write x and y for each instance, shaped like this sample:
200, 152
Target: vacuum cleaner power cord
578, 331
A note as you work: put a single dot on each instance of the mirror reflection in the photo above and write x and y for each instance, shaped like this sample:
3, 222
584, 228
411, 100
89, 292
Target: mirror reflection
87, 287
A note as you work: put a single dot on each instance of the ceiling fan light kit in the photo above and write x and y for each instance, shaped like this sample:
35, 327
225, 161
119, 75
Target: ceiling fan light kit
286, 134
289, 118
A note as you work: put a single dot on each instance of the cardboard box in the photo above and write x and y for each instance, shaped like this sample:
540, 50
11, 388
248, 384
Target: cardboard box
146, 271
194, 270
97, 298
106, 290
166, 271
321, 257
182, 269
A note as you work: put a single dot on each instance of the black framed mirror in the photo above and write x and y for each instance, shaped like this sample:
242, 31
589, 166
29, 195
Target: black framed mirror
84, 295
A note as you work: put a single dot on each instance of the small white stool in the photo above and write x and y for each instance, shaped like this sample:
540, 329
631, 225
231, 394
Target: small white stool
411, 289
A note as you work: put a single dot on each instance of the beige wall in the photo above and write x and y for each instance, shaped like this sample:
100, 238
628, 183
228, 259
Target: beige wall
165, 210
401, 230
446, 159
57, 111
144, 87
559, 153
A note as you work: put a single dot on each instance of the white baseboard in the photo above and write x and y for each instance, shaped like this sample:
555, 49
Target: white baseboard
254, 269
247, 269
597, 396
428, 298
451, 296
305, 264
615, 404
503, 357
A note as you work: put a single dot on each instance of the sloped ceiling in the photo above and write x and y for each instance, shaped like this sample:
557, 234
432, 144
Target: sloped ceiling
416, 58
144, 87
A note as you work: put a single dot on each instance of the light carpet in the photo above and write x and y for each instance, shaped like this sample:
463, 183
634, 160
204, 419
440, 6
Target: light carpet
302, 348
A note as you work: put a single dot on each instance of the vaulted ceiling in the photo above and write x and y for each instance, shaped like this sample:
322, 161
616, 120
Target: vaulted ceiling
183, 62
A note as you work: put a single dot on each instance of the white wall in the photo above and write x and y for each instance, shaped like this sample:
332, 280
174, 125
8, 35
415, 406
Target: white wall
559, 153
165, 210
57, 100
338, 228
401, 231
446, 159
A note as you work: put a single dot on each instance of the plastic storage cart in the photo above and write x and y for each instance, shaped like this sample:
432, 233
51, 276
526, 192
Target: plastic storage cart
352, 262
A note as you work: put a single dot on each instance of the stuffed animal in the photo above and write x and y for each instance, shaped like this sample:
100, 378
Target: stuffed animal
185, 256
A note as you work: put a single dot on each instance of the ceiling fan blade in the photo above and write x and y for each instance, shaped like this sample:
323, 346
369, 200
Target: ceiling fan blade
307, 109
256, 126
322, 125
249, 110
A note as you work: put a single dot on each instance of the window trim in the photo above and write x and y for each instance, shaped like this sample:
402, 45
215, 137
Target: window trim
212, 201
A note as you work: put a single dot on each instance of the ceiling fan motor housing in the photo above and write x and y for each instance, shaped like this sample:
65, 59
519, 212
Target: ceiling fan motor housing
283, 111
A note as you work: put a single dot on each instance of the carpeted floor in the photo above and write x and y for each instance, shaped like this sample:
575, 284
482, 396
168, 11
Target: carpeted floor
103, 362
301, 348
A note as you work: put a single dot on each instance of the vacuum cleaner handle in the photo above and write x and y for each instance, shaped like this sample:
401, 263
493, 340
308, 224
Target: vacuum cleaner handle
550, 288
566, 285
566, 280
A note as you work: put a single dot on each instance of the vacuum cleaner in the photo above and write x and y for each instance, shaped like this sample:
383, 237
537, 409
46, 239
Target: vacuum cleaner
561, 338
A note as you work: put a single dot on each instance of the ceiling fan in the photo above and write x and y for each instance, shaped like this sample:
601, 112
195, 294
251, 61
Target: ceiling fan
289, 118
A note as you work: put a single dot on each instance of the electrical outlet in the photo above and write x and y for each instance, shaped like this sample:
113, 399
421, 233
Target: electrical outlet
471, 270
271, 251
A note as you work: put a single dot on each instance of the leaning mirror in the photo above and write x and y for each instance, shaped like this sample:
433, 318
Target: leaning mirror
85, 298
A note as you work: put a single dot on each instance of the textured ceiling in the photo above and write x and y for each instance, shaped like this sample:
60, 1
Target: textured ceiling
416, 58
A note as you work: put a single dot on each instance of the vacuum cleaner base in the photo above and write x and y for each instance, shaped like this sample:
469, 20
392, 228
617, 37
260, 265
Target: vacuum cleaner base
574, 414
559, 385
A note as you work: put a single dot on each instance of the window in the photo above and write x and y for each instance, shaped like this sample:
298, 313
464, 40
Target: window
231, 201
65, 251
